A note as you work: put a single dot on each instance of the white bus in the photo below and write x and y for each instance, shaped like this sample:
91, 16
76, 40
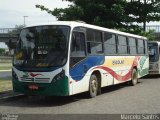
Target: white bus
154, 57
66, 58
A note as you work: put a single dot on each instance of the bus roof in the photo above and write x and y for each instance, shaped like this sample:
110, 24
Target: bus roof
158, 42
76, 24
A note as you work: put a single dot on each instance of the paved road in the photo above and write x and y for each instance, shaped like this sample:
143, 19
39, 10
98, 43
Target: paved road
142, 98
5, 75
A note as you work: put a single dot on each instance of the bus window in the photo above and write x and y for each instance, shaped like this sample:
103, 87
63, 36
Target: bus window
109, 43
145, 47
77, 48
140, 46
122, 45
132, 46
94, 42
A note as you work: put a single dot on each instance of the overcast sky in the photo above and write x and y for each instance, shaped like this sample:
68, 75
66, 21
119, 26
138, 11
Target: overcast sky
12, 12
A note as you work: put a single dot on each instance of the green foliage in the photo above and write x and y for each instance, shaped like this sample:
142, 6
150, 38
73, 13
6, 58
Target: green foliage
150, 35
17, 29
143, 11
2, 51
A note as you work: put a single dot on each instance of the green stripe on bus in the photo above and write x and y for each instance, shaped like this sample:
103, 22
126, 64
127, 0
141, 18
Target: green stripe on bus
143, 72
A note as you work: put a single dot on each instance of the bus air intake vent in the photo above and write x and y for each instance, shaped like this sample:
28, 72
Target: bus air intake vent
42, 80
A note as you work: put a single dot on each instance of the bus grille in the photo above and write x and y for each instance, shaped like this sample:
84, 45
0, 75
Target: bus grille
38, 80
24, 79
42, 80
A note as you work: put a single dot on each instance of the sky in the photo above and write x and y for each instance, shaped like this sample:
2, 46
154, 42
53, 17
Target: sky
12, 12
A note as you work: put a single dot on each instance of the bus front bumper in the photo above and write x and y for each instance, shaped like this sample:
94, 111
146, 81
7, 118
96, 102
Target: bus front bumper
58, 88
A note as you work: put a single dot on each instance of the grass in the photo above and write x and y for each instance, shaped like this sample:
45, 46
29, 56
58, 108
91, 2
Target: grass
5, 66
5, 85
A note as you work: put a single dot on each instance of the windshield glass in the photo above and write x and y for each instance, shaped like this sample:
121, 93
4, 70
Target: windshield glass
42, 46
153, 52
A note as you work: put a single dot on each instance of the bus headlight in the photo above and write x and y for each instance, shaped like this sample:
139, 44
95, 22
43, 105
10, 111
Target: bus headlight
59, 76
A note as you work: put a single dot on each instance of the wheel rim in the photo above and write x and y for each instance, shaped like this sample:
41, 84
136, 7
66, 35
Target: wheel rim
134, 78
93, 86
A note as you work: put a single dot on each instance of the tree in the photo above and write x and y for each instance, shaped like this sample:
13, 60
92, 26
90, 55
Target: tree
17, 29
2, 51
143, 11
14, 33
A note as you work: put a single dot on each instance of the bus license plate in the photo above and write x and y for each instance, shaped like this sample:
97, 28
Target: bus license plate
33, 87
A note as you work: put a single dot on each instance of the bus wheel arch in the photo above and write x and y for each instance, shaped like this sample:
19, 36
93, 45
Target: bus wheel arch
95, 83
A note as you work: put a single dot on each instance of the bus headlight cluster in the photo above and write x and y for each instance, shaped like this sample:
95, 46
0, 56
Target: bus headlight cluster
59, 76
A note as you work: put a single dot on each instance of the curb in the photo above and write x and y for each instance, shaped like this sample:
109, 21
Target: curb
5, 70
9, 94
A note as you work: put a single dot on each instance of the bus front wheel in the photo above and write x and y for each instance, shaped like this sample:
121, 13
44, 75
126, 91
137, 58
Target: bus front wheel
134, 77
93, 86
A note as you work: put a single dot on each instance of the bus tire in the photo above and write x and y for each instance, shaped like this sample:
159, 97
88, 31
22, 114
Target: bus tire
93, 86
134, 77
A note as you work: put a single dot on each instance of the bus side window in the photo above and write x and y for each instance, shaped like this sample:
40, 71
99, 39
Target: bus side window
122, 44
109, 44
145, 49
141, 46
77, 48
94, 42
132, 46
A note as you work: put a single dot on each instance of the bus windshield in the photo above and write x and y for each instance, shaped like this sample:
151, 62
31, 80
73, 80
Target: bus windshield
42, 46
153, 52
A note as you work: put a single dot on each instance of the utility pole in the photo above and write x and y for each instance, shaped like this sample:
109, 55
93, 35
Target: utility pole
24, 20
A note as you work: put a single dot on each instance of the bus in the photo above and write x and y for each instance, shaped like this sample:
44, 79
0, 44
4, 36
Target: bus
66, 58
154, 58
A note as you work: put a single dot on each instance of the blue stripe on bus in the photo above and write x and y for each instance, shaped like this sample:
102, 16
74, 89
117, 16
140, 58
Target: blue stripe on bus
80, 69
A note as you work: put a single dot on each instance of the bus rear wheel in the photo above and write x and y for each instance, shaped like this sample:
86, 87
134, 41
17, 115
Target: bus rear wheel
134, 77
93, 86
